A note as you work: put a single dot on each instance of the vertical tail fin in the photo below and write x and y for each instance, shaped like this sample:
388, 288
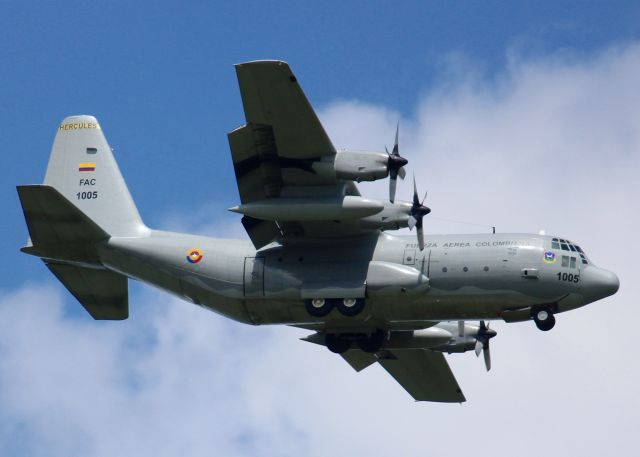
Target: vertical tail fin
83, 169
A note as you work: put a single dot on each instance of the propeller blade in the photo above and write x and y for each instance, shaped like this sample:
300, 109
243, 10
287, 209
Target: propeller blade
412, 222
460, 329
479, 347
482, 343
393, 181
395, 144
416, 201
420, 235
487, 356
402, 173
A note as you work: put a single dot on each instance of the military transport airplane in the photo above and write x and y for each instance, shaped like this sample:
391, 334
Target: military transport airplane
321, 256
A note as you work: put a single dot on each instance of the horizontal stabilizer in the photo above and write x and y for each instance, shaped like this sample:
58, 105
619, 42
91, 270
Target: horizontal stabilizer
103, 293
58, 229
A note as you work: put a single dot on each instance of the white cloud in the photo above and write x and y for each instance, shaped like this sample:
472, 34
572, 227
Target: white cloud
551, 143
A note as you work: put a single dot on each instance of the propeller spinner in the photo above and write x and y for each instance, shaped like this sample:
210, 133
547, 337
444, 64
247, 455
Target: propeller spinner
395, 165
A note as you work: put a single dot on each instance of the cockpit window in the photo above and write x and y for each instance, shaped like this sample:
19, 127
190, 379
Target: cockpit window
566, 245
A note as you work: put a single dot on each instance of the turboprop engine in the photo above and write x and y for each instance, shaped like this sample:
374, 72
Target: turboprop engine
467, 337
361, 165
354, 165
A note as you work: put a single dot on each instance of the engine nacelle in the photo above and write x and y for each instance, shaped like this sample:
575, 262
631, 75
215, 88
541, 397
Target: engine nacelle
361, 165
458, 343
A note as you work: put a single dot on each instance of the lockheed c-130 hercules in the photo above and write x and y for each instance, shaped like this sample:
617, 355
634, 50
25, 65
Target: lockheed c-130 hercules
321, 256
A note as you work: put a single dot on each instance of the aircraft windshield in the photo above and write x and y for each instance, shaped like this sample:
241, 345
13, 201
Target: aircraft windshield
566, 245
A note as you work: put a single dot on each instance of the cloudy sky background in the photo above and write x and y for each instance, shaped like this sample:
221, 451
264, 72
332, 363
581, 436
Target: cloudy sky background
527, 120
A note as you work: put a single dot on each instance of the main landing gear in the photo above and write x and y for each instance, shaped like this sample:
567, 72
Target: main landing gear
369, 342
543, 317
320, 307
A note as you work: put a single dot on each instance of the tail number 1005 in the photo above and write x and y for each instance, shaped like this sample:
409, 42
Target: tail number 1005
90, 195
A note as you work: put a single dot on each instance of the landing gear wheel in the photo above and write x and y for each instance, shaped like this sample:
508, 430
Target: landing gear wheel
350, 306
337, 344
372, 343
318, 307
544, 318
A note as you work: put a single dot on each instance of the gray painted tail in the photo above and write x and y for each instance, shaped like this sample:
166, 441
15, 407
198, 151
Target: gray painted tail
82, 168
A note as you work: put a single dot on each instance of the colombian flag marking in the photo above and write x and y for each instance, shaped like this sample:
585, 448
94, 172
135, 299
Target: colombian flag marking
87, 167
194, 255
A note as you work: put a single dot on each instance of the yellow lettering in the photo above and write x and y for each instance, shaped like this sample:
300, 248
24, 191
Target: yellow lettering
88, 125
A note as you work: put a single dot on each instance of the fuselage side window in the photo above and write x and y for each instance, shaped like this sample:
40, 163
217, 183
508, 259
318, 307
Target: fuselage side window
573, 262
565, 260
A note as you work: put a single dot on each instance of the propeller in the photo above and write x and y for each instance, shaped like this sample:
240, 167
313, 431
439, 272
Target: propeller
482, 343
418, 211
395, 165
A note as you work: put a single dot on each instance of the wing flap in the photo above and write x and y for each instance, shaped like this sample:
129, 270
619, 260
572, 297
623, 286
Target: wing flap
424, 374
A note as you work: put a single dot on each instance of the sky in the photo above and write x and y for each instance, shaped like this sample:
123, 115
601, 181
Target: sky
525, 117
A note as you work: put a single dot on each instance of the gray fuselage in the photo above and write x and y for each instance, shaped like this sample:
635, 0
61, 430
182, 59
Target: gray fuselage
482, 276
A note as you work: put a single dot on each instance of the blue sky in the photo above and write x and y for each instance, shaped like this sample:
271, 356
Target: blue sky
491, 88
159, 75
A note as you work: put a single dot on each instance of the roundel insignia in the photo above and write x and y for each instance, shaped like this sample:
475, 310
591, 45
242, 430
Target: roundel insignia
549, 257
194, 255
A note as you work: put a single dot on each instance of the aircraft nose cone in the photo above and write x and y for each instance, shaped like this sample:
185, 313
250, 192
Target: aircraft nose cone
598, 283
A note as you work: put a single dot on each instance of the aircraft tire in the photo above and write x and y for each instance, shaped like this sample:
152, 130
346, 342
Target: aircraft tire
372, 343
544, 318
350, 306
318, 307
336, 344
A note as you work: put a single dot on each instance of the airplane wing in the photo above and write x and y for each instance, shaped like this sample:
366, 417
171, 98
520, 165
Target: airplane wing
423, 373
276, 153
274, 102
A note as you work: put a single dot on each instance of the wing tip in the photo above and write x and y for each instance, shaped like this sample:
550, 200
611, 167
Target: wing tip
263, 62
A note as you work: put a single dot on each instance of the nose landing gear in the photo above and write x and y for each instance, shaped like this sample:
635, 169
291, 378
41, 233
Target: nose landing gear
543, 317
